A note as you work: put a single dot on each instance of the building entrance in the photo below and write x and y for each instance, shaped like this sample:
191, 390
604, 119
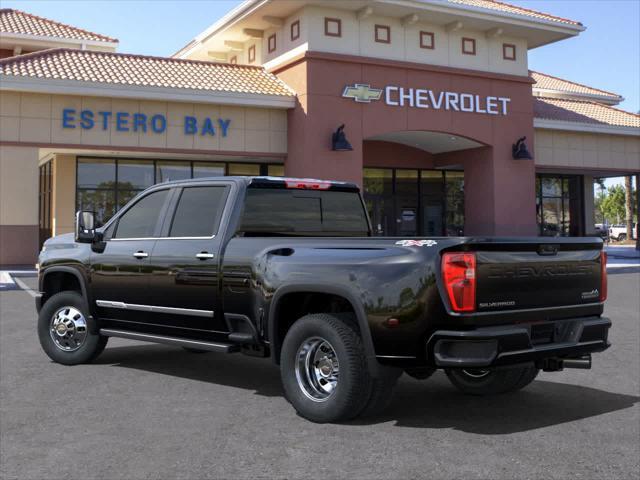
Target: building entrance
411, 202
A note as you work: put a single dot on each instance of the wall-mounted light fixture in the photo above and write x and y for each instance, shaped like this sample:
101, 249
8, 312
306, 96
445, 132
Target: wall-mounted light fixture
519, 150
339, 142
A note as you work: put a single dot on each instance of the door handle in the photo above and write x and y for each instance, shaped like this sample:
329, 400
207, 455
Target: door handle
204, 255
141, 254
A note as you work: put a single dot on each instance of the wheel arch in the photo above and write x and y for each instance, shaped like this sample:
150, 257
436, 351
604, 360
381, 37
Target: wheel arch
275, 339
59, 279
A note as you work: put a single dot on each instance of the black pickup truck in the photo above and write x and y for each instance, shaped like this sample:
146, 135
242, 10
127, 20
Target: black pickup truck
288, 269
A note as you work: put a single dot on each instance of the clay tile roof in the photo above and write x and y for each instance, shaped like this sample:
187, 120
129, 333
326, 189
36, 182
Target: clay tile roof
583, 112
514, 10
548, 82
143, 71
16, 21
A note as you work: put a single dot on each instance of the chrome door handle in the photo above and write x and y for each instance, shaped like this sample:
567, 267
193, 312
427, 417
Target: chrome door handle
141, 254
204, 255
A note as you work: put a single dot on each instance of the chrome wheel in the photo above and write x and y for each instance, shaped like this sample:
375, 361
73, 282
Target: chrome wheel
317, 369
68, 329
476, 373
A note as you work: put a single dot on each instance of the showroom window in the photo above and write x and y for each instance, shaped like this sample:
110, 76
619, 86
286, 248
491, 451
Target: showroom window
104, 185
559, 205
409, 202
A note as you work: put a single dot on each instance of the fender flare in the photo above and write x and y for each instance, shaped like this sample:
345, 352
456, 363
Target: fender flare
347, 294
76, 273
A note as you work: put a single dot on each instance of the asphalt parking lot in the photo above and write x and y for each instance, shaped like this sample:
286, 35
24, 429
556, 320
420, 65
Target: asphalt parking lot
148, 411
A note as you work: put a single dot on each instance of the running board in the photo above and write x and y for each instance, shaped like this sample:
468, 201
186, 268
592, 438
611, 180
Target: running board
180, 342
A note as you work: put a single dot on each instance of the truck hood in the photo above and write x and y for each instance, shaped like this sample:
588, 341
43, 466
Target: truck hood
66, 239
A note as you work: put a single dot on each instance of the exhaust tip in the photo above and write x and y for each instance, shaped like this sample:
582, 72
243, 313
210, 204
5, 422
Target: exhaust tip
583, 362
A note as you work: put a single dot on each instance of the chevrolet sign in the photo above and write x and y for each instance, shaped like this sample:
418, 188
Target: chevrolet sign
424, 98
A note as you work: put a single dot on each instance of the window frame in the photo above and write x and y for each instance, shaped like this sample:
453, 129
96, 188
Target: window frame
337, 22
472, 41
505, 50
159, 222
295, 30
173, 209
378, 29
272, 44
424, 34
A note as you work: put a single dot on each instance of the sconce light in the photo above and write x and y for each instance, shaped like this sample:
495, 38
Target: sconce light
519, 150
339, 142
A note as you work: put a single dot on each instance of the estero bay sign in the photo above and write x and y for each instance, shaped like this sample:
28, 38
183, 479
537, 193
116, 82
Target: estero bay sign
425, 98
140, 122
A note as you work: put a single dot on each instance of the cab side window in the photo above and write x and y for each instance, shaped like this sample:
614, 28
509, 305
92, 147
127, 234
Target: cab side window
141, 219
198, 212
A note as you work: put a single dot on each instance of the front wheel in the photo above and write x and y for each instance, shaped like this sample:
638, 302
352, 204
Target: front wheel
65, 330
491, 382
323, 368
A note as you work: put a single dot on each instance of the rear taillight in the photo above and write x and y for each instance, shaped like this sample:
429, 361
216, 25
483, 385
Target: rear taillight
603, 276
459, 276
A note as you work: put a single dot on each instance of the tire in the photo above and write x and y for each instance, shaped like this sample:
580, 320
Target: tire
324, 369
622, 237
73, 343
381, 391
491, 382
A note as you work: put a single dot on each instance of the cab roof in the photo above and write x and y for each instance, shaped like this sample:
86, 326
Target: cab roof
276, 182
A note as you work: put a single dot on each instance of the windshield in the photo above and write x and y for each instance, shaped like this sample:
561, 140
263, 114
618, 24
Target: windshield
278, 211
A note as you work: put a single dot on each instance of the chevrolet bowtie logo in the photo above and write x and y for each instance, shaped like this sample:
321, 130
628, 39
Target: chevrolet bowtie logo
362, 93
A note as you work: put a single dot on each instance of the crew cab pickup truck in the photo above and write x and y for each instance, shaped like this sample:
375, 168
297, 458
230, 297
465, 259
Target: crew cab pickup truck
289, 269
619, 232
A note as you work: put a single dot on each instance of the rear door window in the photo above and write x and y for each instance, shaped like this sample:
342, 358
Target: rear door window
198, 211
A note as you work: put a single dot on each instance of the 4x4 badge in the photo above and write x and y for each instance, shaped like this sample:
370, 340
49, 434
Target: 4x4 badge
417, 243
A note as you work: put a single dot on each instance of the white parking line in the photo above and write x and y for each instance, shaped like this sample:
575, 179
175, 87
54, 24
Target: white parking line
25, 287
5, 277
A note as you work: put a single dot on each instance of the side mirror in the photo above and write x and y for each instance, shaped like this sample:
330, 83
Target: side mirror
85, 227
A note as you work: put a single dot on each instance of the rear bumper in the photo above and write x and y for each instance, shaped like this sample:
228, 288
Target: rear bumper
514, 344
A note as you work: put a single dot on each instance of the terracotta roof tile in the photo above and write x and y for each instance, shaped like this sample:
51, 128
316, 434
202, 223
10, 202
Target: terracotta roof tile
16, 21
515, 10
548, 82
583, 112
144, 71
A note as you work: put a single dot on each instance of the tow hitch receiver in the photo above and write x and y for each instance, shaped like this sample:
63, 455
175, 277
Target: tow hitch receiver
558, 364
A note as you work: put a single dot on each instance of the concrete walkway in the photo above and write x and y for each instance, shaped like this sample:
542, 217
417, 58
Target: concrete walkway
622, 256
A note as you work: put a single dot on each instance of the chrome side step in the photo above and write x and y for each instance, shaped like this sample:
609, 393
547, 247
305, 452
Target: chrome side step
181, 342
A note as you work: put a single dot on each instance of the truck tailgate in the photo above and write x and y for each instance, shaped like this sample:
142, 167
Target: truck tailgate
537, 275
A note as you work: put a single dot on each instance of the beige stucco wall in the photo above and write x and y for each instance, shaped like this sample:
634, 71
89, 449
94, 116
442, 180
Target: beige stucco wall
18, 185
63, 195
358, 38
555, 148
37, 118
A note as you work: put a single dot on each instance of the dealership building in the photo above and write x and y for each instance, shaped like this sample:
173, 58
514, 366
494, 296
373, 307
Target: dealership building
434, 96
